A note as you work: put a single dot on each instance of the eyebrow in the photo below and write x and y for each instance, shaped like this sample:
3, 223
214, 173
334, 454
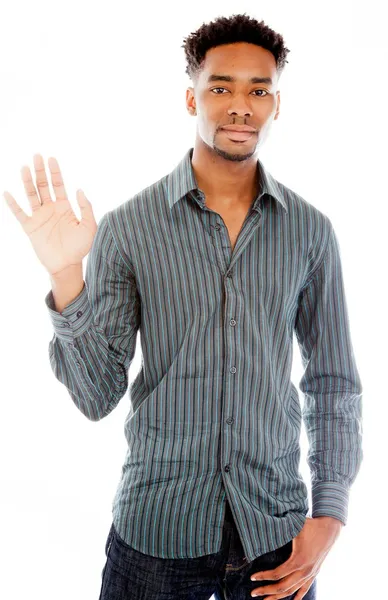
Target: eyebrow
215, 77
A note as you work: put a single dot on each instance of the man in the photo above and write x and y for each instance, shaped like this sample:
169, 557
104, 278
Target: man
217, 264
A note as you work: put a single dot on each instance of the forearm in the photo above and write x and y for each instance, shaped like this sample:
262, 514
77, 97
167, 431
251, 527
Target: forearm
66, 286
93, 370
331, 522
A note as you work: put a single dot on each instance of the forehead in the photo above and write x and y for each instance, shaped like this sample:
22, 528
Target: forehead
246, 59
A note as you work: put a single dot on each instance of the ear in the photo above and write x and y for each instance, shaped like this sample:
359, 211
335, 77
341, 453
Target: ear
278, 105
190, 101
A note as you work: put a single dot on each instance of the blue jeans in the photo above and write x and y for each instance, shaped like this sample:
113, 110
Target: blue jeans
132, 575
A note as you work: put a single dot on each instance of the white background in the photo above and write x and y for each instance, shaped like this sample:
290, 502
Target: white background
102, 88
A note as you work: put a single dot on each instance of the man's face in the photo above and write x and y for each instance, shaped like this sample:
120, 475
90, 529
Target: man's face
241, 102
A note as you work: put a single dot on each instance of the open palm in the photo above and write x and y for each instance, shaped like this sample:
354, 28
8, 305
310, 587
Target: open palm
57, 236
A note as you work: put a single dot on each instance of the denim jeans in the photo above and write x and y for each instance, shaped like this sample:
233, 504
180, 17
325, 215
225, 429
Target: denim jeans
224, 575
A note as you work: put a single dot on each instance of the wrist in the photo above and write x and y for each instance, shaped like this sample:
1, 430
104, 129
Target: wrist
66, 285
67, 273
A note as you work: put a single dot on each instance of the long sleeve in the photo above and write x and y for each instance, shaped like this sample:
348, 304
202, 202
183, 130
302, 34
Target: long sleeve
332, 411
95, 335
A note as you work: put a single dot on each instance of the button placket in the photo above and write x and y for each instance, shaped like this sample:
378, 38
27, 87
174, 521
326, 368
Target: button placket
232, 322
222, 249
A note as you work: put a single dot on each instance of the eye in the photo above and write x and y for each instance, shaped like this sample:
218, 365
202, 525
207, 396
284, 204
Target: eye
222, 88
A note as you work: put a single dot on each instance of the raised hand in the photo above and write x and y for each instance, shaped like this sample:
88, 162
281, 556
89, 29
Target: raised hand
59, 239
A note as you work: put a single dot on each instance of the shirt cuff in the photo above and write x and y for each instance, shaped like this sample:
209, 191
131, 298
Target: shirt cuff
330, 499
75, 317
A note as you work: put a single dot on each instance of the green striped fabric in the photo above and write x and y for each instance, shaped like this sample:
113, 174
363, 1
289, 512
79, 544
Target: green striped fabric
214, 415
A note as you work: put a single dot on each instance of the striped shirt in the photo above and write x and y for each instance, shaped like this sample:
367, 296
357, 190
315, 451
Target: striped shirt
214, 415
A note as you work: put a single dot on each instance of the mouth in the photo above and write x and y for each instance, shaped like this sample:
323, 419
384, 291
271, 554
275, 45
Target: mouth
238, 136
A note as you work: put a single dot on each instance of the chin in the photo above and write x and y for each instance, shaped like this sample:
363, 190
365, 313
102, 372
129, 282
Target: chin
241, 153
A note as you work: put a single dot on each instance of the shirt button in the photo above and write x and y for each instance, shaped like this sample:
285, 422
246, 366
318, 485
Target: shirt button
232, 322
79, 313
230, 274
66, 324
232, 369
229, 420
227, 468
218, 227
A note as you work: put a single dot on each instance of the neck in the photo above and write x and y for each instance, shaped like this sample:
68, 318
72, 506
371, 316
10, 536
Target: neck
231, 182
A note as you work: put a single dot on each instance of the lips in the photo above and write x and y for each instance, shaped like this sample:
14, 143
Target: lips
239, 128
238, 136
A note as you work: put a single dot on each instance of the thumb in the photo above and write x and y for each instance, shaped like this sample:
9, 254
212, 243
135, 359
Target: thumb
85, 206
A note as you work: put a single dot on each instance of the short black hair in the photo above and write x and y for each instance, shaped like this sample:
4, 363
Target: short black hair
229, 30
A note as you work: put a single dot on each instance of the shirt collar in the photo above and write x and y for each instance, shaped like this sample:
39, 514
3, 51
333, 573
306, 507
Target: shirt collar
182, 180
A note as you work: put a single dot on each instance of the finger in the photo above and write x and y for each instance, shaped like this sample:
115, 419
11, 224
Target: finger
85, 207
29, 186
41, 179
15, 208
57, 180
302, 592
272, 592
301, 586
279, 572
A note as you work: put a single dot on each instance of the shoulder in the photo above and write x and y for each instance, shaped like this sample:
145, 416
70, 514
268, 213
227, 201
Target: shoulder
139, 204
305, 217
308, 225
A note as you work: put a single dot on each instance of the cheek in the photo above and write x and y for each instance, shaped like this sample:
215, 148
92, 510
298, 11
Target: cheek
207, 128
